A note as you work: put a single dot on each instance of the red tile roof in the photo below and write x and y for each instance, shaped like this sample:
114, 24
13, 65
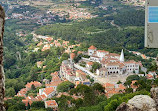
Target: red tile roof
132, 84
102, 51
51, 103
92, 47
39, 44
49, 90
114, 54
38, 98
49, 39
53, 84
107, 85
149, 76
43, 96
90, 63
35, 83
72, 55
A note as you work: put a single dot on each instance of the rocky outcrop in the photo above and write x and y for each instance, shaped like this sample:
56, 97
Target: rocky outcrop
154, 95
138, 103
127, 107
2, 18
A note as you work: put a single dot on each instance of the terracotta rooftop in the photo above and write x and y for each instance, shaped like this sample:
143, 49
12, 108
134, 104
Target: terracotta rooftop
113, 64
43, 96
149, 76
39, 44
103, 69
35, 83
80, 72
72, 55
49, 39
109, 85
52, 84
90, 63
131, 62
92, 47
51, 103
114, 54
102, 51
49, 90
132, 84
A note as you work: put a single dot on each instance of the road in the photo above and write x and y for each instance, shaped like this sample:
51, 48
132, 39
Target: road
113, 24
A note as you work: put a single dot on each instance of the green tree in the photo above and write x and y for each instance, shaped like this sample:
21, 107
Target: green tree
98, 88
65, 86
33, 87
10, 92
95, 66
38, 104
132, 77
129, 90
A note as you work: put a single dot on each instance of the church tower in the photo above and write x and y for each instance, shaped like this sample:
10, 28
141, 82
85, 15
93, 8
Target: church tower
122, 59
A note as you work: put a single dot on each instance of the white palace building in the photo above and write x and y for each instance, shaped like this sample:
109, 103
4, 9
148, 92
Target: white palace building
112, 63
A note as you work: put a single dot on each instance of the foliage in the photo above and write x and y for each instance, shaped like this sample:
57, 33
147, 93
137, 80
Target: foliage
37, 104
15, 104
132, 77
65, 86
98, 88
95, 66
13, 86
130, 18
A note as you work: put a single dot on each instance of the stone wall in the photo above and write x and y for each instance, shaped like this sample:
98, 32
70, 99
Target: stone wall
2, 88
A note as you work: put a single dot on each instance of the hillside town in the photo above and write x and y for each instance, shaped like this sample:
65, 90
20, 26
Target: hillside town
80, 55
134, 2
80, 72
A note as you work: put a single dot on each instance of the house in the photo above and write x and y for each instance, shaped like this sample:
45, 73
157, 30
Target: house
39, 44
47, 92
114, 55
132, 66
102, 72
95, 58
150, 76
51, 104
81, 78
46, 47
53, 84
72, 56
67, 71
109, 85
36, 49
22, 92
56, 80
89, 65
110, 93
49, 39
28, 100
112, 89
79, 52
57, 44
39, 64
35, 83
112, 67
91, 50
102, 53
133, 86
